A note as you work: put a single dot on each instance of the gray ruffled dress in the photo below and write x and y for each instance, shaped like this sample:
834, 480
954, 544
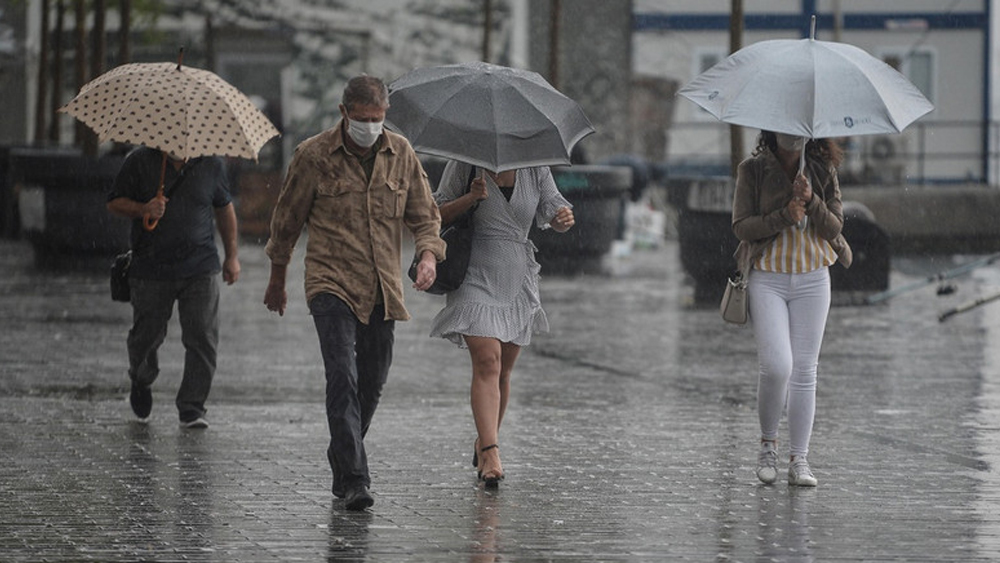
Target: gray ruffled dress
499, 297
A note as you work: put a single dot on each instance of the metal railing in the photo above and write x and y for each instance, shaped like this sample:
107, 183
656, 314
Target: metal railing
926, 153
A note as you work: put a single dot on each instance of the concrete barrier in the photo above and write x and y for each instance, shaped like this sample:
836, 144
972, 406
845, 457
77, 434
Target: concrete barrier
934, 219
598, 193
872, 250
61, 201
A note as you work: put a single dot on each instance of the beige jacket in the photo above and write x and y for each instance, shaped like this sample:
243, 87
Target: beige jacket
355, 227
760, 207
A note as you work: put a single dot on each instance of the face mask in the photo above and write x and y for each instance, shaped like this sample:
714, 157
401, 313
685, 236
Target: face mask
364, 133
791, 143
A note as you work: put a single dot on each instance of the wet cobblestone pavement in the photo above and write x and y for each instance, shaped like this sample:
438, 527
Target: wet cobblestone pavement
630, 435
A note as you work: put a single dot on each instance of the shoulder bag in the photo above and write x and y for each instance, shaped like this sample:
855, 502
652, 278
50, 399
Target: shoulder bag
119, 277
458, 236
734, 306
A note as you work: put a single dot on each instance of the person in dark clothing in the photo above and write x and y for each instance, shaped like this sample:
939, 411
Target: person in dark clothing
175, 262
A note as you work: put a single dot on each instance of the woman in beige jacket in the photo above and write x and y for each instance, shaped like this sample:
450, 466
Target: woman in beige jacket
788, 219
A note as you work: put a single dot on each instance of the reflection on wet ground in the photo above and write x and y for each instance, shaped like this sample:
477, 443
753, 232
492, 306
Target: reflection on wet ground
630, 435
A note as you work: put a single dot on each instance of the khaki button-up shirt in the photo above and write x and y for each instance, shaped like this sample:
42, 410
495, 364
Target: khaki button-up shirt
355, 226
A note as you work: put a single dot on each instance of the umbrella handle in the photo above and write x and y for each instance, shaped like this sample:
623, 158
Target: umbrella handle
802, 167
148, 222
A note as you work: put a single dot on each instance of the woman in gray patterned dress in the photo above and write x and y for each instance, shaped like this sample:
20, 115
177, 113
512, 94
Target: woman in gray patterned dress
497, 308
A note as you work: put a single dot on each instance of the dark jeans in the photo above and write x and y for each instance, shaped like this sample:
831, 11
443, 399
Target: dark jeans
198, 310
357, 358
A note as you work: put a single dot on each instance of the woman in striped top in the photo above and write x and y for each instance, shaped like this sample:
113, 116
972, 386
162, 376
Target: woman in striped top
788, 220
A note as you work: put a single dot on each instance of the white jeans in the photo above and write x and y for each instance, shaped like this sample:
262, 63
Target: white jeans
788, 313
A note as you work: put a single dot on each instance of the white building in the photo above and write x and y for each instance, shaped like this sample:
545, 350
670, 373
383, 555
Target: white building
947, 49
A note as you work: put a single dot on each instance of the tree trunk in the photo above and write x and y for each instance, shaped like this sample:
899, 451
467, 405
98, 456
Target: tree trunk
41, 102
98, 38
124, 45
58, 60
487, 28
555, 9
80, 63
125, 32
90, 141
210, 43
735, 43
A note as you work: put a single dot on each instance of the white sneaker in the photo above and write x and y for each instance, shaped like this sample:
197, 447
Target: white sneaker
799, 474
196, 424
767, 462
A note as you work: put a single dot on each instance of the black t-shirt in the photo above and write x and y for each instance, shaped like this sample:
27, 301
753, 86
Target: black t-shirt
183, 243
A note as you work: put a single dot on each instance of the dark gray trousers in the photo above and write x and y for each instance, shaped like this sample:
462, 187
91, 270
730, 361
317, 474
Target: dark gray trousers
198, 311
357, 357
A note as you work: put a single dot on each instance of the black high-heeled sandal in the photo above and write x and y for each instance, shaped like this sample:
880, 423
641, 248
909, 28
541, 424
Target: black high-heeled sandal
493, 481
475, 454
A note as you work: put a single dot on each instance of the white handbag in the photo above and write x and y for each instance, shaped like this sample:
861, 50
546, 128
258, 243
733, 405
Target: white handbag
734, 301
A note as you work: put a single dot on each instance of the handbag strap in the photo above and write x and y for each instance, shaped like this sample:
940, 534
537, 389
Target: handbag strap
468, 188
472, 176
180, 176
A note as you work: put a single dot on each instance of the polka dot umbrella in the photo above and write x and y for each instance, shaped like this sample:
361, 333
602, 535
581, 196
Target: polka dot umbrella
184, 111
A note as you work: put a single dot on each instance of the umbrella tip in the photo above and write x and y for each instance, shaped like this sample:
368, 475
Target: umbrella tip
180, 58
812, 28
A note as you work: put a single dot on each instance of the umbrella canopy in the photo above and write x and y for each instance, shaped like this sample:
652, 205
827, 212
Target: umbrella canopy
185, 111
808, 88
180, 110
492, 116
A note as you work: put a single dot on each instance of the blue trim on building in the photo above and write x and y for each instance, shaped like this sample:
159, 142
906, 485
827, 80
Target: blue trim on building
652, 21
720, 22
967, 20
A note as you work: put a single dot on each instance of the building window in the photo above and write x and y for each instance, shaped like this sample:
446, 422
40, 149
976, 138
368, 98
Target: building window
917, 65
705, 59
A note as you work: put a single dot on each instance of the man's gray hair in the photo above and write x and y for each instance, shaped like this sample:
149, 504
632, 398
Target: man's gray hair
365, 90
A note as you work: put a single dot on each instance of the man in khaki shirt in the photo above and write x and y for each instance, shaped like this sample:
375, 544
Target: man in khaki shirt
355, 186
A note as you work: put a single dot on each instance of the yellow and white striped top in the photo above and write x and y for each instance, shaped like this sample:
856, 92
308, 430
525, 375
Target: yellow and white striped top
796, 251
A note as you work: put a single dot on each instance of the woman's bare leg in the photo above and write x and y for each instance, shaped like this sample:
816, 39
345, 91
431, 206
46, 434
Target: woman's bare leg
508, 357
486, 399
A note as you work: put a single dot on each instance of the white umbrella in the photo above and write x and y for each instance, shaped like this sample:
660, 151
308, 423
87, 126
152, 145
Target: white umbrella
491, 116
809, 88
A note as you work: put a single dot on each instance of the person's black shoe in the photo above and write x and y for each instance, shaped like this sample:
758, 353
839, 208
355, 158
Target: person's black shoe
358, 498
141, 399
338, 489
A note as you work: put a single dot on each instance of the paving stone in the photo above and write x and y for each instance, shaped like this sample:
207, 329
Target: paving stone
630, 434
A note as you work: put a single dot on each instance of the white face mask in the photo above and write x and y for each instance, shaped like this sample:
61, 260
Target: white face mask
791, 143
364, 133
